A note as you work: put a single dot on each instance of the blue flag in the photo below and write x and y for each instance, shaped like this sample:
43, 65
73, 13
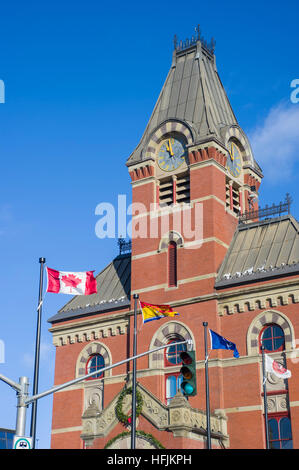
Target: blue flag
218, 342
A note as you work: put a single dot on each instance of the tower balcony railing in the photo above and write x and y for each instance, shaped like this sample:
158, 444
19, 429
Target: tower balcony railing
180, 46
267, 211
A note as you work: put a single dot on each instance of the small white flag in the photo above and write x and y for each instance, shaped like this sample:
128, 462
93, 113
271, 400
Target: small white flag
275, 368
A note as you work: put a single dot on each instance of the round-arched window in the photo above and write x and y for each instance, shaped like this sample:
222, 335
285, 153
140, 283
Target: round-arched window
172, 353
272, 338
95, 362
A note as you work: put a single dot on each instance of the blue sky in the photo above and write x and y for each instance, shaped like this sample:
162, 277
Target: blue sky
81, 80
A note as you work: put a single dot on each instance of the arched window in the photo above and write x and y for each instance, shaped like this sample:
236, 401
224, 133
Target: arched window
172, 264
280, 433
172, 353
172, 358
272, 338
95, 362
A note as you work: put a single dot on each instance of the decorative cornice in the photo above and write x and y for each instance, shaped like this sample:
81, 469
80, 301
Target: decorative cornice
141, 171
204, 154
229, 302
78, 332
260, 297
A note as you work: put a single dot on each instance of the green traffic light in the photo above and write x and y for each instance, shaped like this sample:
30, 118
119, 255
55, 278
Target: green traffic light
187, 388
188, 371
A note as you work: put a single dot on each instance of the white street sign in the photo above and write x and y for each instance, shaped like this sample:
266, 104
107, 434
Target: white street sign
20, 442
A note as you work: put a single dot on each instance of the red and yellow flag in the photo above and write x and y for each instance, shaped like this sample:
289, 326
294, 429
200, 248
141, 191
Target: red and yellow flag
155, 312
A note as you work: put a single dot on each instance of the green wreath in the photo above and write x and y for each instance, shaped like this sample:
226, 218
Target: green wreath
122, 417
149, 437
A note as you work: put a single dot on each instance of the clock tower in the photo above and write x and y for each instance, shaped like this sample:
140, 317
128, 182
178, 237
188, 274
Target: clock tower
194, 167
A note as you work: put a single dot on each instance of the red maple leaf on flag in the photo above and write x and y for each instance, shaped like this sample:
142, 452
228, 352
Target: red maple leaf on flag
71, 280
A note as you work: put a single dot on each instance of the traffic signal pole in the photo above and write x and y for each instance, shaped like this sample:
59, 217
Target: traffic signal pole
134, 376
209, 445
22, 387
22, 392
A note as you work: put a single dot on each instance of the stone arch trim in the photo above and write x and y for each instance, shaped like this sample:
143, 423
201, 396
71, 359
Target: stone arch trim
171, 236
165, 333
266, 318
93, 348
237, 133
169, 126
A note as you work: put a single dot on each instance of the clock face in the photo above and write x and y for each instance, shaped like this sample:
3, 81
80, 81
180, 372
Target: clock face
171, 154
234, 162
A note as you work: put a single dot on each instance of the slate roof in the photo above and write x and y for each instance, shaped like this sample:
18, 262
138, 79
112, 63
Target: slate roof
114, 285
192, 93
261, 250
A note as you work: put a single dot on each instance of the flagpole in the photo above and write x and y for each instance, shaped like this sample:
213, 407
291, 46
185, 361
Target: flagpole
37, 353
133, 425
205, 324
265, 398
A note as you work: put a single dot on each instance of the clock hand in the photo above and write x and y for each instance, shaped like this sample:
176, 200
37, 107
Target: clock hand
232, 152
171, 151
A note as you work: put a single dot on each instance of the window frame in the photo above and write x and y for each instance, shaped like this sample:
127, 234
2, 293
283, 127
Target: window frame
167, 363
278, 417
177, 375
95, 377
272, 338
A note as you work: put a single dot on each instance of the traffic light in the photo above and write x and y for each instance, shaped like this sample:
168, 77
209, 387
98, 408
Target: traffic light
188, 371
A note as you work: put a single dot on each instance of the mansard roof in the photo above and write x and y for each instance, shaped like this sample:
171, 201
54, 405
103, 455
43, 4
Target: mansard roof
261, 250
192, 93
114, 284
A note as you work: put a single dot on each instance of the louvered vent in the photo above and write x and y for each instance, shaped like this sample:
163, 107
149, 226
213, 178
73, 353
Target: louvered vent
227, 194
236, 200
232, 197
166, 192
183, 188
174, 190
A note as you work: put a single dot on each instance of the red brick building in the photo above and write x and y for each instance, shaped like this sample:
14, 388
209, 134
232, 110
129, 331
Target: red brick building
213, 259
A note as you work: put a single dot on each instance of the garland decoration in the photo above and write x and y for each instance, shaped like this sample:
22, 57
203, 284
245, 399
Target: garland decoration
149, 437
121, 416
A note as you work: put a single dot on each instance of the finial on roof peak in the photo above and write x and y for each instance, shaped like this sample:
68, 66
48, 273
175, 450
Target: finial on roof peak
197, 30
182, 45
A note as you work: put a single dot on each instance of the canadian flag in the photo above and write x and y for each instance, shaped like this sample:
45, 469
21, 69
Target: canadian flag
275, 368
63, 282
